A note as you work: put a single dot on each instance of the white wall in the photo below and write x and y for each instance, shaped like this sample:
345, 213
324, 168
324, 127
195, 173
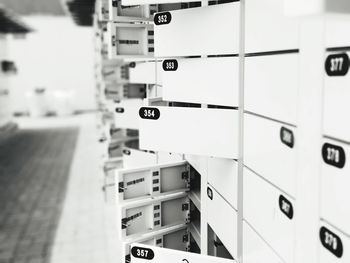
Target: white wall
58, 56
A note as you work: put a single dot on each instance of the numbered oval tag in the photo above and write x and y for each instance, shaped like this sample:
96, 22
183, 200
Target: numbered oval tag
287, 137
170, 65
132, 64
149, 113
337, 65
162, 18
331, 242
119, 110
126, 152
142, 252
286, 207
333, 155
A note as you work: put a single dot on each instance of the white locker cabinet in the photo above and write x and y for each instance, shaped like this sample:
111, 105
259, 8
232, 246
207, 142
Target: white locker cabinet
138, 217
129, 40
127, 13
194, 31
271, 151
334, 245
222, 218
144, 254
133, 158
109, 186
335, 181
222, 176
210, 132
271, 86
152, 180
270, 30
145, 72
337, 95
172, 237
271, 213
255, 249
126, 113
201, 80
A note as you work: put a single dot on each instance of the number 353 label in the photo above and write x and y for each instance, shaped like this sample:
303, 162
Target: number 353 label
149, 113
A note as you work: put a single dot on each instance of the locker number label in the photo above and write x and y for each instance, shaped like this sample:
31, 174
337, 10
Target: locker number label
337, 65
170, 65
149, 113
287, 137
119, 110
142, 252
162, 18
286, 207
333, 155
331, 242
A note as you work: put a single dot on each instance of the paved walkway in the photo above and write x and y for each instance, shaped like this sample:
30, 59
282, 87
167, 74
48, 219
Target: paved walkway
51, 205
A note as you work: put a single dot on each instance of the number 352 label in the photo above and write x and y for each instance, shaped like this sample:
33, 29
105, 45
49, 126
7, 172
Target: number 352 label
149, 113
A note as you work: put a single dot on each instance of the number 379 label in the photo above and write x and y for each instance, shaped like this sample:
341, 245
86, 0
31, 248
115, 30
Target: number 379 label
149, 113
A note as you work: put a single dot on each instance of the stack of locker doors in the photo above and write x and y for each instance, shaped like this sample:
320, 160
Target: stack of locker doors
334, 223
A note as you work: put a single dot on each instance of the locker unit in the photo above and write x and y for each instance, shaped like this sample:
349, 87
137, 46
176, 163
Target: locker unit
109, 186
115, 146
271, 213
334, 184
126, 40
126, 113
144, 215
219, 213
152, 180
201, 80
271, 151
270, 89
125, 13
137, 158
336, 95
210, 132
270, 30
172, 237
193, 31
147, 72
114, 91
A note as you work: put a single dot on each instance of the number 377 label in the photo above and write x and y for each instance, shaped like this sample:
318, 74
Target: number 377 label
149, 113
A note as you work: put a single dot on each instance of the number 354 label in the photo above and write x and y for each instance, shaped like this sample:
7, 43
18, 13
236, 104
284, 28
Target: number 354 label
149, 113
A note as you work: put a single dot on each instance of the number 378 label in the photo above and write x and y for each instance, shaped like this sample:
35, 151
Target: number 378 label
149, 113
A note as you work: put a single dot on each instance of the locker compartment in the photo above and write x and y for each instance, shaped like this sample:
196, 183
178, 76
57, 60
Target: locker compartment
215, 247
115, 146
127, 13
219, 213
126, 40
210, 132
334, 245
152, 180
271, 86
114, 91
270, 30
194, 226
222, 176
335, 181
145, 72
270, 213
201, 80
161, 255
133, 158
255, 248
138, 217
337, 95
194, 31
166, 236
195, 188
271, 151
126, 113
102, 10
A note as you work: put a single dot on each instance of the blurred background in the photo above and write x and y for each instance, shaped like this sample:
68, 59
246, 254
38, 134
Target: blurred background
51, 205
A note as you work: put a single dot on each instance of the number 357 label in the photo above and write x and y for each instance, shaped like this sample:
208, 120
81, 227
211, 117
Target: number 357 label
149, 113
